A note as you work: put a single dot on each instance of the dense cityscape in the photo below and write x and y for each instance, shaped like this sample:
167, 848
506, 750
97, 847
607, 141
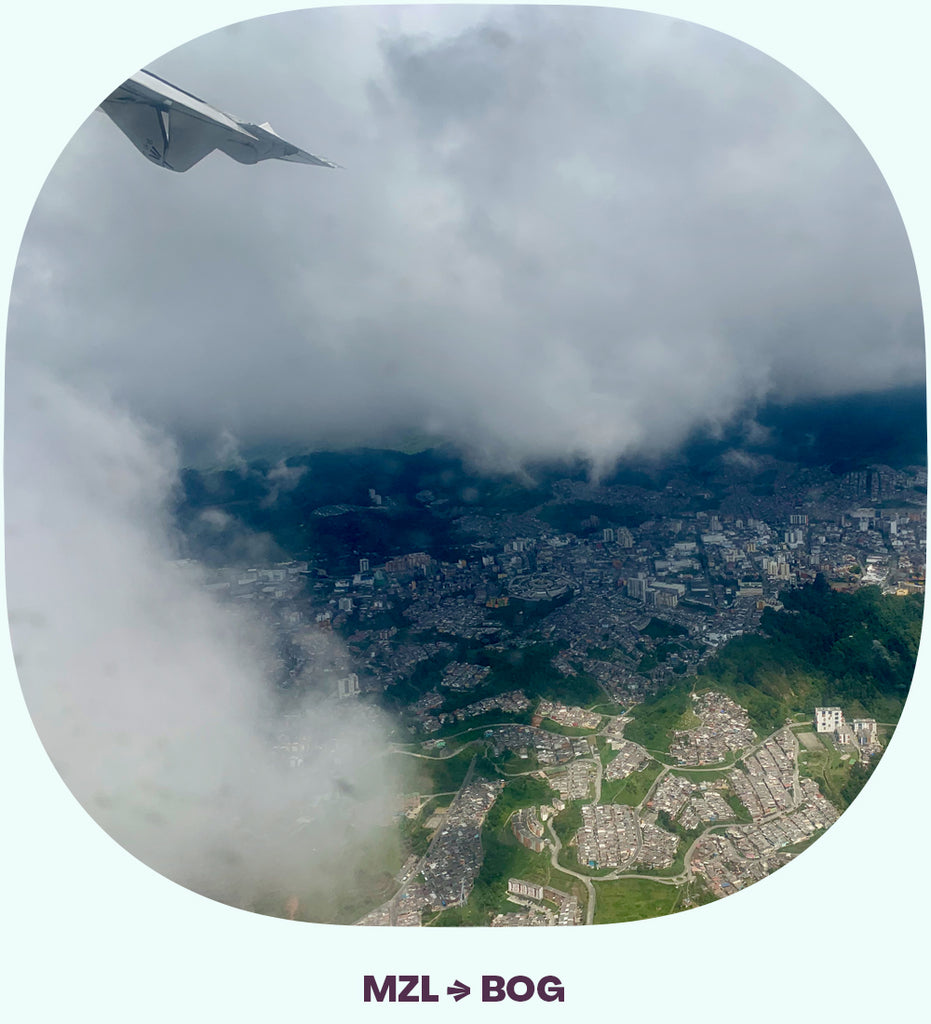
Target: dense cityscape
525, 658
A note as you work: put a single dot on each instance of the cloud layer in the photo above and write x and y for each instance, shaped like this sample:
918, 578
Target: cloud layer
560, 231
154, 702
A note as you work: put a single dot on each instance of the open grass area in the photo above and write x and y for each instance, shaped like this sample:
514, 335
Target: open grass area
634, 899
506, 857
433, 774
524, 791
415, 836
736, 805
568, 822
830, 772
428, 807
633, 789
565, 730
608, 708
796, 848
513, 764
605, 752
687, 720
654, 720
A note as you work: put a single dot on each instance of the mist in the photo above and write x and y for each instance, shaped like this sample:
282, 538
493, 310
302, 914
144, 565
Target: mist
155, 702
560, 233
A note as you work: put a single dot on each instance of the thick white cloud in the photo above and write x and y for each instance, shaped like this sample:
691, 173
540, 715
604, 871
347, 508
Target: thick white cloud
559, 231
154, 702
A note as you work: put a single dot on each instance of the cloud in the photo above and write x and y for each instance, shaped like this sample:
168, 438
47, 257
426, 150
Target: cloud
560, 231
281, 478
154, 701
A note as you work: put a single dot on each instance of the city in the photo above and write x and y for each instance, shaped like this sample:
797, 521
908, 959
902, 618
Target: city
526, 657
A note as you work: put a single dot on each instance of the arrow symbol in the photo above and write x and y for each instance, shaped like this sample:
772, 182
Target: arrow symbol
458, 990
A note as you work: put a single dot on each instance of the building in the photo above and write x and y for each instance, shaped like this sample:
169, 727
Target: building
865, 730
666, 595
416, 561
828, 719
348, 686
528, 829
518, 887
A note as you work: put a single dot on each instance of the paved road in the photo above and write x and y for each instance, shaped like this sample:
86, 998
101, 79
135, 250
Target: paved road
590, 889
418, 867
684, 877
686, 874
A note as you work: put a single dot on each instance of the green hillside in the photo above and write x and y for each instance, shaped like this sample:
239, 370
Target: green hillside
856, 651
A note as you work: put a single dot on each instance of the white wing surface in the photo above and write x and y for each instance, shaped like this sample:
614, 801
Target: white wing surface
174, 129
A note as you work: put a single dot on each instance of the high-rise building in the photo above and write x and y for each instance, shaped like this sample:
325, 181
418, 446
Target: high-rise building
828, 719
637, 588
348, 686
865, 730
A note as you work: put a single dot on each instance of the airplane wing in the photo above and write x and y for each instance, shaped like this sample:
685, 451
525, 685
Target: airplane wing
175, 129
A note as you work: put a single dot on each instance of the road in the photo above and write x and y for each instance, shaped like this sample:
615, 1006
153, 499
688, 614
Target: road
418, 867
586, 881
686, 875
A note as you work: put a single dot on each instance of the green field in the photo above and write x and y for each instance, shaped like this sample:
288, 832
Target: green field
566, 730
736, 805
568, 822
634, 899
654, 720
605, 752
633, 789
838, 780
433, 774
524, 791
687, 720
